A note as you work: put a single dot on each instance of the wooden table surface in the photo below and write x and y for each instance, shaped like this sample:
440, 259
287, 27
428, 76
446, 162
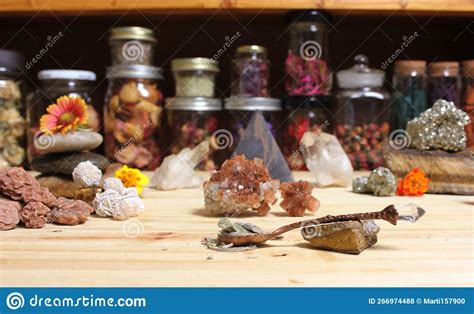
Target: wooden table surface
436, 251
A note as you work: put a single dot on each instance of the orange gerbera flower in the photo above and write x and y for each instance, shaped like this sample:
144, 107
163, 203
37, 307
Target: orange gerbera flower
65, 115
415, 183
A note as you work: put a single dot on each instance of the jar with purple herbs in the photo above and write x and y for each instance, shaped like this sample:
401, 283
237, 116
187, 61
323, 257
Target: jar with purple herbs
239, 111
445, 82
191, 120
251, 70
302, 114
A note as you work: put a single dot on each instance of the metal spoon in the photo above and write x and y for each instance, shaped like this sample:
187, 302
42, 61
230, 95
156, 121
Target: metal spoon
389, 214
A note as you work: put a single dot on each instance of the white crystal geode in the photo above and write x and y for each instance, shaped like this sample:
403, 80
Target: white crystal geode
87, 174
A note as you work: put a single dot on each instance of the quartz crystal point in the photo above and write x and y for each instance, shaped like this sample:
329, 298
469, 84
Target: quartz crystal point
326, 159
410, 212
440, 127
177, 171
258, 142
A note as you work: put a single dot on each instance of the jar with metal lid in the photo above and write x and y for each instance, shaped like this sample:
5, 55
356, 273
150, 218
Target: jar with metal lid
409, 92
133, 105
445, 82
303, 114
362, 114
12, 123
239, 111
191, 121
251, 71
132, 45
54, 84
194, 77
468, 98
306, 63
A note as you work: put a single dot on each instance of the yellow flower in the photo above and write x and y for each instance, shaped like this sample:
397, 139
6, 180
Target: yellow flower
132, 177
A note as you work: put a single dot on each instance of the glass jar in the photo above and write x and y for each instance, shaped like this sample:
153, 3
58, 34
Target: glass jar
468, 98
409, 94
303, 114
191, 121
54, 84
132, 115
239, 111
132, 45
194, 77
444, 82
362, 114
306, 63
251, 71
12, 123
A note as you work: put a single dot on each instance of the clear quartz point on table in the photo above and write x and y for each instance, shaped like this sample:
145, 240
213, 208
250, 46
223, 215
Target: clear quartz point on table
410, 212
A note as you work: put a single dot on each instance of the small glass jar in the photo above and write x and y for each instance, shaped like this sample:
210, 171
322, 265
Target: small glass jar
306, 63
445, 82
362, 114
12, 123
239, 111
251, 71
409, 92
194, 77
54, 84
303, 114
191, 121
132, 45
468, 98
132, 115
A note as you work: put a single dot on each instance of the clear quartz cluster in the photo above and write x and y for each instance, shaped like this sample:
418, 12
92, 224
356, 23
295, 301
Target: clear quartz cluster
440, 127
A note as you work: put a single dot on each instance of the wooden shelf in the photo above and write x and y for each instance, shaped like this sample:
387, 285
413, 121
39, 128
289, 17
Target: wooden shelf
30, 7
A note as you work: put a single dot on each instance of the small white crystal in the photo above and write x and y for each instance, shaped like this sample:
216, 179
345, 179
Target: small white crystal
113, 184
87, 174
177, 171
325, 158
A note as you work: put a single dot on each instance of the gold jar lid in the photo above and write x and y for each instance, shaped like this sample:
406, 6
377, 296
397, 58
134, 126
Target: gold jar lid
189, 64
409, 67
468, 67
132, 33
251, 49
444, 68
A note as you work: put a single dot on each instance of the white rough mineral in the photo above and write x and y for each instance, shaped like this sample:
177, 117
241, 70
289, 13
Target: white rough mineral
177, 171
87, 174
325, 158
113, 184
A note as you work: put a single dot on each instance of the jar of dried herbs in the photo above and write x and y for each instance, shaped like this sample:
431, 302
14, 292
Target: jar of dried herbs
194, 77
362, 114
133, 115
12, 123
409, 94
191, 121
132, 45
302, 114
239, 111
251, 71
445, 83
306, 63
468, 98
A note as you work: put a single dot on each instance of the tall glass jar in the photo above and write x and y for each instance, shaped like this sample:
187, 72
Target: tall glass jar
302, 114
239, 111
306, 63
132, 45
409, 94
191, 121
251, 71
445, 82
54, 84
468, 98
194, 77
362, 114
12, 123
133, 105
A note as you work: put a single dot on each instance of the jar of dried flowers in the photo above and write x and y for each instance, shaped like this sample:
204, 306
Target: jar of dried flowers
468, 98
251, 71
